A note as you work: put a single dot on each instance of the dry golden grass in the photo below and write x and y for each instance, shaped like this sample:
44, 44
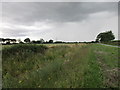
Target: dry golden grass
70, 45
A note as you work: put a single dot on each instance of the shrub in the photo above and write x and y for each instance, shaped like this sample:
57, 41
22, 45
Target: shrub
23, 49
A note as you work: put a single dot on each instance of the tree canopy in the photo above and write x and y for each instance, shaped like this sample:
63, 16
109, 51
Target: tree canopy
50, 41
27, 40
105, 36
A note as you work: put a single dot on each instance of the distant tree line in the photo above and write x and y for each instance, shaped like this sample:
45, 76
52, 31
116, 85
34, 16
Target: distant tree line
7, 40
28, 41
101, 37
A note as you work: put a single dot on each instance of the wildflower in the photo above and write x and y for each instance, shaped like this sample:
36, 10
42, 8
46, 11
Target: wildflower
49, 78
20, 81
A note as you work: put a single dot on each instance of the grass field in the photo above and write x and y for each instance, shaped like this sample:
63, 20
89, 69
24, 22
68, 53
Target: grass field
60, 66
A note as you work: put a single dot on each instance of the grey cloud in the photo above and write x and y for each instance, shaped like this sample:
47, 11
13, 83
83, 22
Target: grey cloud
13, 33
30, 12
22, 32
96, 16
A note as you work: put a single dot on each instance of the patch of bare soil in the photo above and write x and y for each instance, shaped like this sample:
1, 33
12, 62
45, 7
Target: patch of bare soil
100, 52
110, 76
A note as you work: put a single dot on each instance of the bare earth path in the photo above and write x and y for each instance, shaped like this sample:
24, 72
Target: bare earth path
109, 45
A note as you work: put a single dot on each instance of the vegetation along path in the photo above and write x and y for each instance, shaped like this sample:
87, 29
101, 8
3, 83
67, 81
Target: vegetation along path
110, 45
60, 66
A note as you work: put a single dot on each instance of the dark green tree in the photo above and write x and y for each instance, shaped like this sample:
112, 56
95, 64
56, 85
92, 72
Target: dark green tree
50, 41
105, 36
27, 40
13, 40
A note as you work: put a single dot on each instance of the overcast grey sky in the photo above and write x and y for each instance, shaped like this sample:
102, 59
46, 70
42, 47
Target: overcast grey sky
66, 21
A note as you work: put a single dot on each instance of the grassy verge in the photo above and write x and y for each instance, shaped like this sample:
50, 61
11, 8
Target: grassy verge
108, 58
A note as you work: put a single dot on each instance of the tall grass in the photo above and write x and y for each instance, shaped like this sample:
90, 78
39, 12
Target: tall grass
61, 66
108, 58
22, 50
93, 77
17, 59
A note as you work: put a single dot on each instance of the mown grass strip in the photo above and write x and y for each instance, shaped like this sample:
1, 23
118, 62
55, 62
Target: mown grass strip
93, 75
